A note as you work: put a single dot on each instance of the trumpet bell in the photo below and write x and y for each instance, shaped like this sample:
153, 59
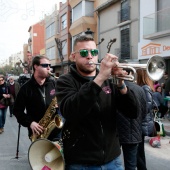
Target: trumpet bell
155, 68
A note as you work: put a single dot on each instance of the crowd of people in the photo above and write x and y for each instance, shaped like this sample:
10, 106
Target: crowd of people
100, 116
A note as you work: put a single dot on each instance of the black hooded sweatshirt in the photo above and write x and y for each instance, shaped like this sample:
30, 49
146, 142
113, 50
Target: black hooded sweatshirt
90, 133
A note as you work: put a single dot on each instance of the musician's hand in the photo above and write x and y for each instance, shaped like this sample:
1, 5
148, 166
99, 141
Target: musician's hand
117, 71
56, 105
107, 64
36, 128
6, 95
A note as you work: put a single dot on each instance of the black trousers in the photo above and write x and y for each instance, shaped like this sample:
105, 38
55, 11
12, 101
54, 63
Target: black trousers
162, 109
141, 161
11, 109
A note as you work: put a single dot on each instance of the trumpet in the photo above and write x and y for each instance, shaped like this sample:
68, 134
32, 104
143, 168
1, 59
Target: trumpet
155, 68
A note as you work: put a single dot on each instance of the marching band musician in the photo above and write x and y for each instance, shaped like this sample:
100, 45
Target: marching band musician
88, 101
35, 97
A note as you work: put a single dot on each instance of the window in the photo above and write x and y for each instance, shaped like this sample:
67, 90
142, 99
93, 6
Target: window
63, 21
84, 8
125, 42
64, 47
77, 12
50, 30
125, 11
51, 53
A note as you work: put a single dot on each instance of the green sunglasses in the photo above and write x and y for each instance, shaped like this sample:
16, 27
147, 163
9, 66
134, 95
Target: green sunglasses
85, 53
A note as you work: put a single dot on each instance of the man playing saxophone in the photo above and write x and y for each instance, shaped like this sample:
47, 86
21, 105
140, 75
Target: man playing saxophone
34, 98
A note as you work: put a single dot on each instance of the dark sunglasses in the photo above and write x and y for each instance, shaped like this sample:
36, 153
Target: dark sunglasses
45, 65
85, 53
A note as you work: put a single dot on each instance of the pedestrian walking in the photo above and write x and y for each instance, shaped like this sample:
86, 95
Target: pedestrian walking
4, 94
14, 89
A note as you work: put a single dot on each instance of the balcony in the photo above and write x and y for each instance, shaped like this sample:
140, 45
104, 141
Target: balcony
157, 25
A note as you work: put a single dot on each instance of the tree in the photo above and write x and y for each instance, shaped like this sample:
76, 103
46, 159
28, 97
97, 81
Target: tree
60, 48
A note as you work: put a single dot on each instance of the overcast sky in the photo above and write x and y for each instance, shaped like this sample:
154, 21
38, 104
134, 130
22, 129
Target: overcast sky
16, 16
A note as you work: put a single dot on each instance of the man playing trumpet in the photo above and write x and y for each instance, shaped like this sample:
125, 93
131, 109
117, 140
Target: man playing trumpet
88, 100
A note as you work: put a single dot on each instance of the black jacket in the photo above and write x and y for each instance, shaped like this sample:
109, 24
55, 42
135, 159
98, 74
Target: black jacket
130, 130
148, 126
90, 132
30, 98
4, 89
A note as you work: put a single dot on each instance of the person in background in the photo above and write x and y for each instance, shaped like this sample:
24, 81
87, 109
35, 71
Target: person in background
14, 89
130, 130
4, 93
88, 100
158, 98
166, 87
35, 96
156, 83
146, 83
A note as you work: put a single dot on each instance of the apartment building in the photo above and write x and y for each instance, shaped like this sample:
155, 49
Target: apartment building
57, 38
51, 29
36, 39
35, 44
154, 35
64, 38
118, 20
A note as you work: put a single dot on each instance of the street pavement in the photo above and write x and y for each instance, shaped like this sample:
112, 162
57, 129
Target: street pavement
11, 159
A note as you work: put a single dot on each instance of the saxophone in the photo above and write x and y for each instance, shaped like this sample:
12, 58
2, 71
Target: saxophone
49, 121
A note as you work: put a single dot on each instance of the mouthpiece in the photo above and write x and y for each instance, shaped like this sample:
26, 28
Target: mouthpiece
51, 74
91, 62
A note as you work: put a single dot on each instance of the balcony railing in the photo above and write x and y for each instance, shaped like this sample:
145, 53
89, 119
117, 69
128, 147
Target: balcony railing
157, 25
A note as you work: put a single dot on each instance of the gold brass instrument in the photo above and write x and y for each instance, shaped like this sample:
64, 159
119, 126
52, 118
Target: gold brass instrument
155, 68
49, 121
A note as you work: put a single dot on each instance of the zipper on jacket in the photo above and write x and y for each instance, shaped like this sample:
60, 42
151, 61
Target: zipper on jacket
103, 152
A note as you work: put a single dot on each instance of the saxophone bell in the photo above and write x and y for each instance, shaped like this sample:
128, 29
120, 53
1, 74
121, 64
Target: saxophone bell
59, 121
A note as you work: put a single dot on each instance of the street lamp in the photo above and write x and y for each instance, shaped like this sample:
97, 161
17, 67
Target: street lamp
89, 32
